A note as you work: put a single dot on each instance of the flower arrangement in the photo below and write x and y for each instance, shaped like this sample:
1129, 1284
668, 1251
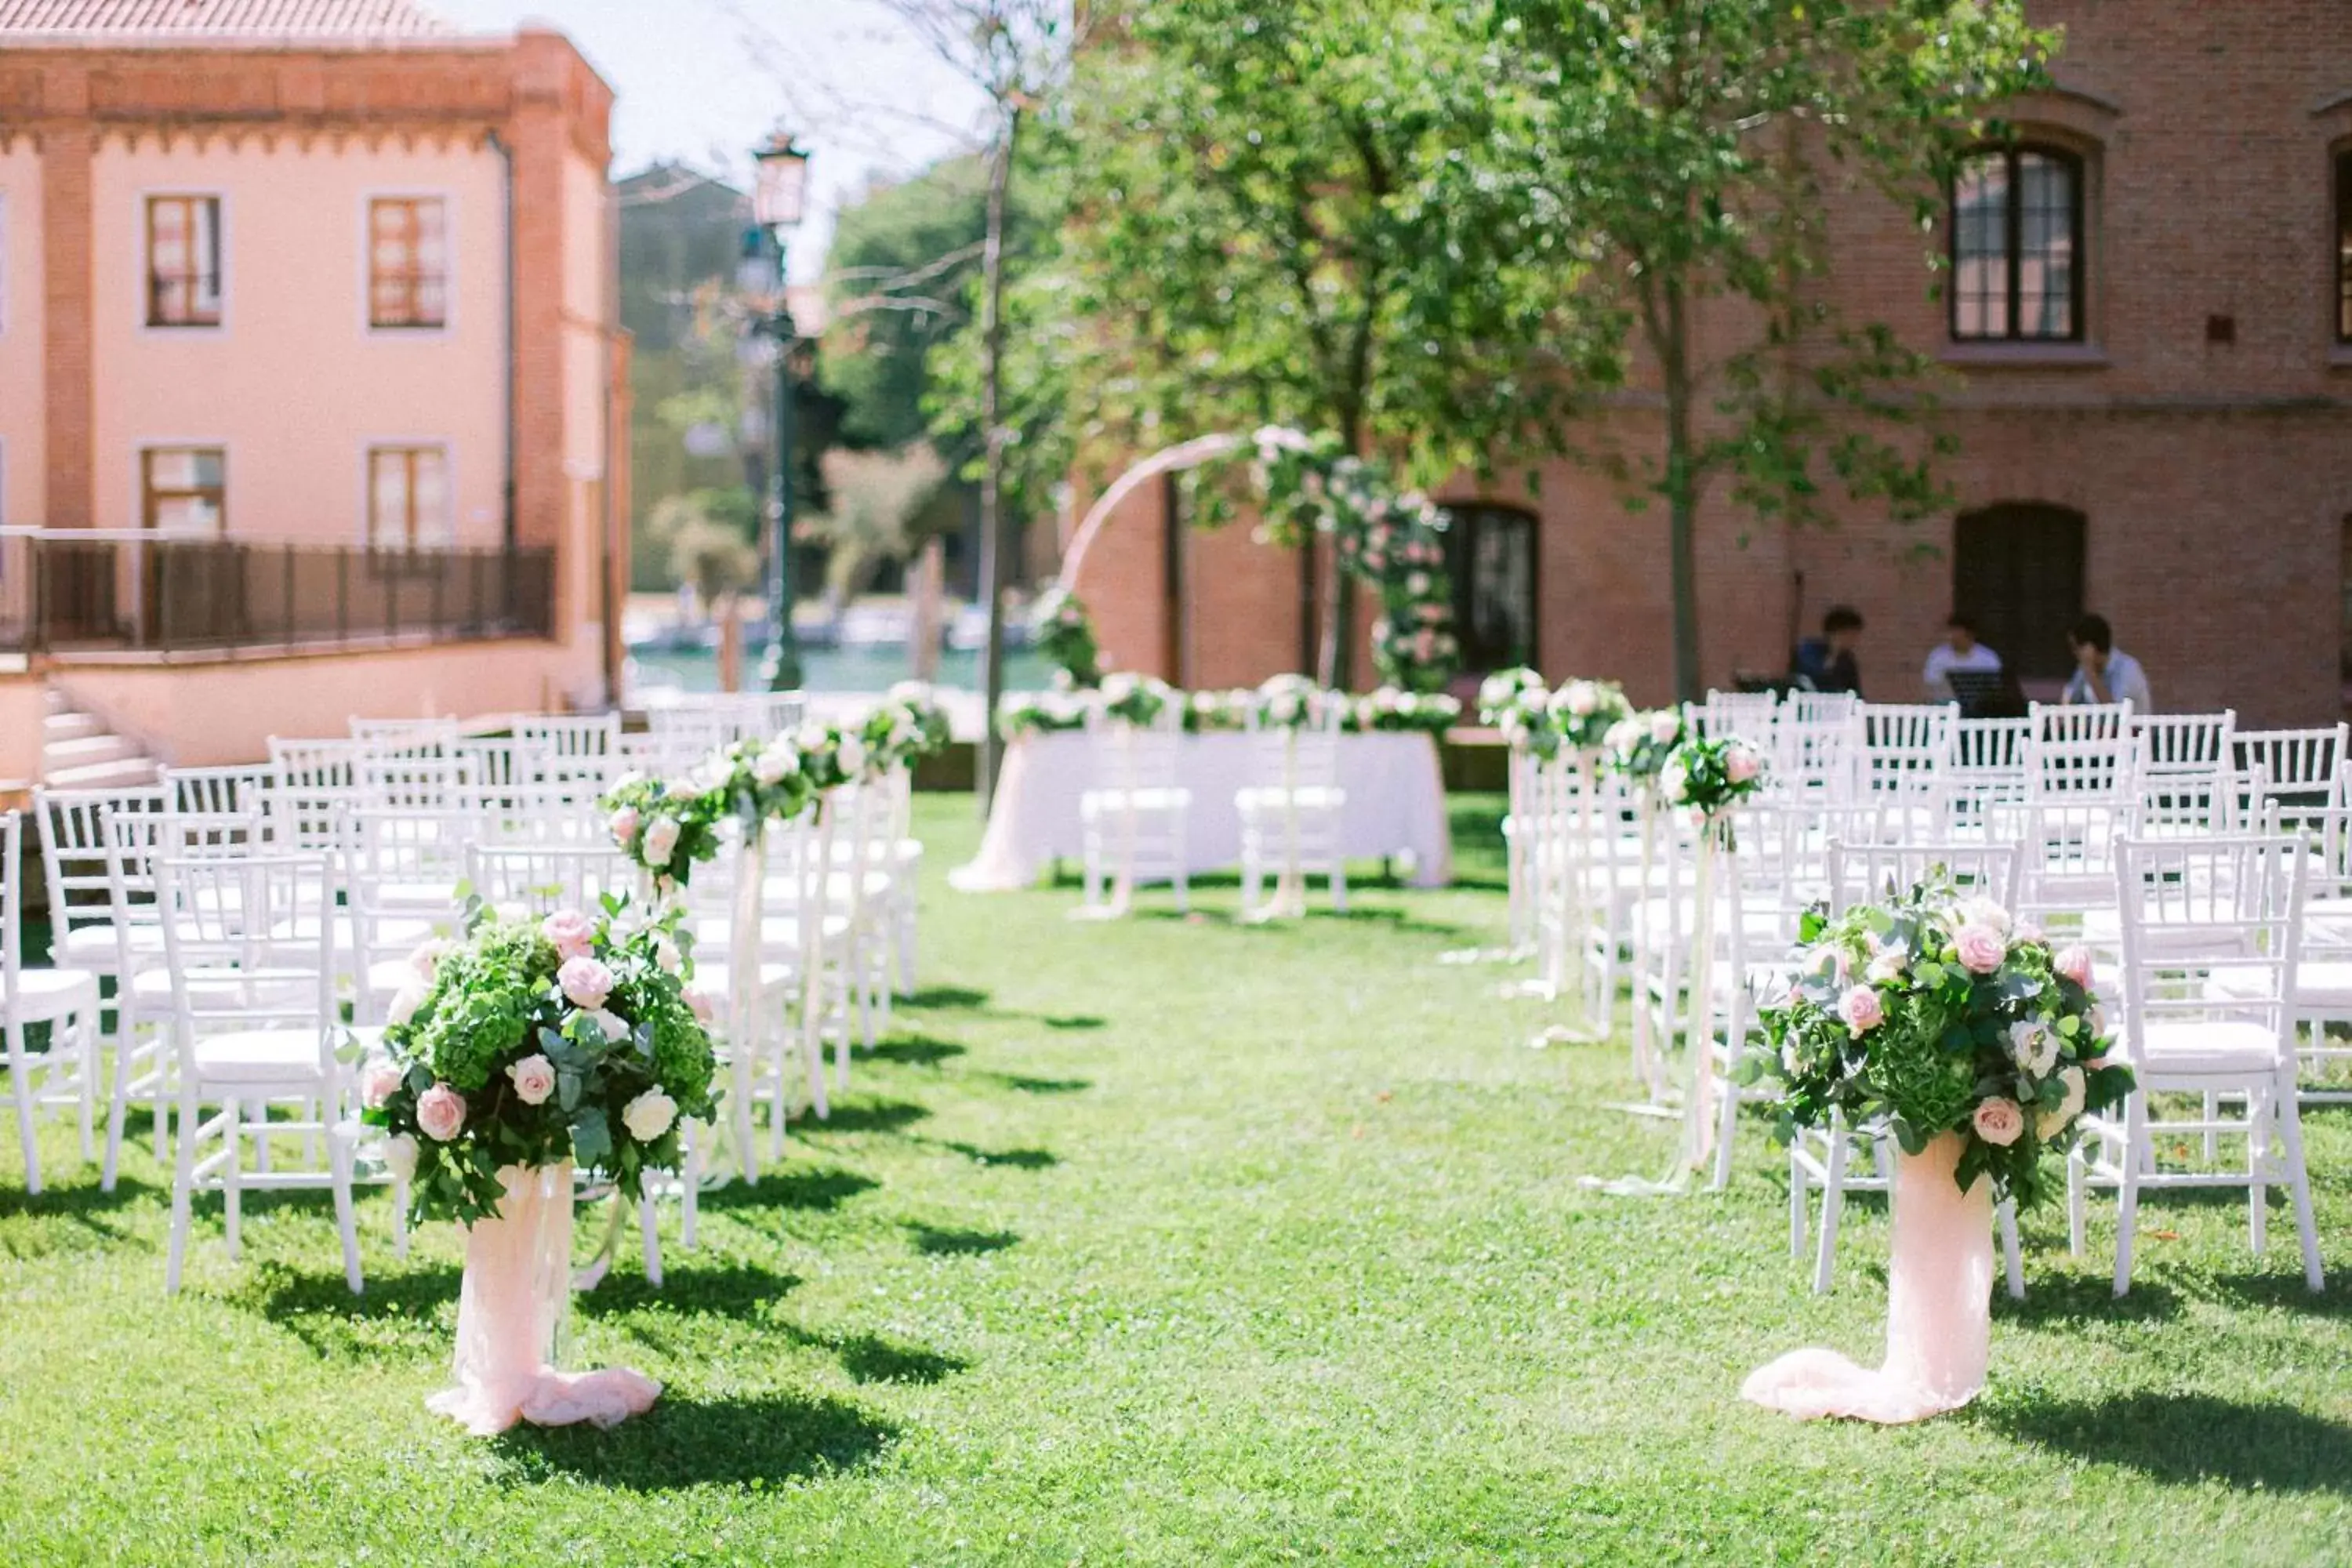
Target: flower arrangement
1136, 699
666, 824
1290, 702
1710, 776
530, 1043
1310, 485
1510, 691
908, 725
1932, 1013
1020, 712
1066, 634
1638, 745
1584, 711
1390, 708
1211, 711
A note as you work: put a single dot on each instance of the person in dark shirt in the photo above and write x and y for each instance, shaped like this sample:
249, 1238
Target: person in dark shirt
1827, 663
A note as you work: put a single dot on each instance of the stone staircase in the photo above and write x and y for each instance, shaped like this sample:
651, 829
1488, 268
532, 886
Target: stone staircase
78, 752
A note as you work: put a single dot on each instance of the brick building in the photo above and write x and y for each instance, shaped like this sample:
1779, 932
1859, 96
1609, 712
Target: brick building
317, 288
2150, 336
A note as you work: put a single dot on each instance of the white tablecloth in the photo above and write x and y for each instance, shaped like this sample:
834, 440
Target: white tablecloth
1396, 803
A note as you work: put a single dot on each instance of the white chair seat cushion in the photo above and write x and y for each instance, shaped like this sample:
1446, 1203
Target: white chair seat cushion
2205, 1047
2327, 984
258, 1057
42, 994
1258, 798
713, 978
712, 938
95, 943
1097, 803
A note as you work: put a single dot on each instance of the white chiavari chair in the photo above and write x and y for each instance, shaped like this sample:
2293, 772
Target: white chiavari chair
1864, 873
1908, 751
62, 1070
2293, 768
537, 879
316, 781
1988, 768
250, 946
2083, 751
571, 746
219, 791
407, 737
2198, 744
2210, 930
1132, 821
1292, 817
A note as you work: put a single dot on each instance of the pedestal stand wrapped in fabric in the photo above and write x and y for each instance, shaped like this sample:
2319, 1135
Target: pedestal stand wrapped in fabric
512, 1310
1939, 1309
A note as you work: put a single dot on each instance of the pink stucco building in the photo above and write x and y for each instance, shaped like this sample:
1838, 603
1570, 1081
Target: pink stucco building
309, 369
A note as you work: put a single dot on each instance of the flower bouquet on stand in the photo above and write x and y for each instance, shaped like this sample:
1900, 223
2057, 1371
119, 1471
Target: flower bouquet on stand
1637, 748
532, 1049
1938, 1021
1582, 713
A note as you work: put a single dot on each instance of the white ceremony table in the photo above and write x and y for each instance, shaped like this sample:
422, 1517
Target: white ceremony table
1396, 803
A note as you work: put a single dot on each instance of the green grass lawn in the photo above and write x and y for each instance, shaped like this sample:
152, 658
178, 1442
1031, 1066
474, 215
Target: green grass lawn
1173, 1241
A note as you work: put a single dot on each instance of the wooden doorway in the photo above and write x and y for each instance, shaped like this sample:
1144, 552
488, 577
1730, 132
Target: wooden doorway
2017, 572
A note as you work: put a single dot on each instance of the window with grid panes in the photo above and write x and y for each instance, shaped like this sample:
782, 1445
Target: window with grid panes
408, 262
408, 497
184, 261
2017, 245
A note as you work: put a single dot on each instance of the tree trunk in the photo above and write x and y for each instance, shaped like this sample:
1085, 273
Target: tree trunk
923, 627
1330, 663
992, 476
1682, 491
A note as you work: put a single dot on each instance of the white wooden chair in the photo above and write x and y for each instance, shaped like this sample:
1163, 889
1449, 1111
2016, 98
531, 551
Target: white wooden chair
1292, 818
571, 746
250, 951
63, 1070
2210, 930
539, 878
1132, 823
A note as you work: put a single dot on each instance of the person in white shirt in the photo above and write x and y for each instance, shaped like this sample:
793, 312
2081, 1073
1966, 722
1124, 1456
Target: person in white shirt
2103, 672
1958, 650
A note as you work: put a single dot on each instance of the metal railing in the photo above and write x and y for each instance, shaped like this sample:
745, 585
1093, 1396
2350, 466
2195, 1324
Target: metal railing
68, 590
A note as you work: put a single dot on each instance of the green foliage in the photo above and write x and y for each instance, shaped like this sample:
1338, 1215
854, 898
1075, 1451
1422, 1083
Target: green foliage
882, 506
1065, 633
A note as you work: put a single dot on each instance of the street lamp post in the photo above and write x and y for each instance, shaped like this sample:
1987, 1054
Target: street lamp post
776, 205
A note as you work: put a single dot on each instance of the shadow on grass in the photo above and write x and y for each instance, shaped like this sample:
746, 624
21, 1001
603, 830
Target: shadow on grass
865, 1116
724, 1290
85, 1203
319, 1308
2286, 1291
939, 1241
1022, 1083
2063, 1298
1019, 1159
2187, 1439
715, 1442
819, 1190
1073, 1021
1396, 920
915, 1050
947, 996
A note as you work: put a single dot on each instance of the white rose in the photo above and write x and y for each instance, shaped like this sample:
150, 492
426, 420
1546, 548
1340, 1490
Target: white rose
610, 1024
648, 1116
852, 754
1623, 737
2051, 1123
1984, 913
2033, 1048
775, 764
404, 1004
1674, 783
661, 840
400, 1155
1665, 726
666, 953
1886, 966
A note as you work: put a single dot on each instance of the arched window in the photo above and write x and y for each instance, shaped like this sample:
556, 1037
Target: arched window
2017, 245
2017, 572
1490, 552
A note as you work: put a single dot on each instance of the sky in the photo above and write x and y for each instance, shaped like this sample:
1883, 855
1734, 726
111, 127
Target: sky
700, 81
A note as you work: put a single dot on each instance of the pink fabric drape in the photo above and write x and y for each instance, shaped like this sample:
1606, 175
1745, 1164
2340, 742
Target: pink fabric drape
1939, 1309
511, 1314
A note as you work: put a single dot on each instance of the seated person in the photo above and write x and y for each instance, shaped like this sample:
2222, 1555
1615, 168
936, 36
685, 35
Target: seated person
2103, 672
1826, 663
1958, 650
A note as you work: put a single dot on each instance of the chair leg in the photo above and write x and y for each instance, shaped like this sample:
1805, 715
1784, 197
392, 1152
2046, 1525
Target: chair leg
86, 1042
20, 1083
118, 1108
1797, 1191
232, 1176
2212, 1139
2259, 1108
1832, 1209
2127, 1192
339, 1160
184, 1183
741, 1069
2077, 1206
690, 1206
649, 1229
1339, 879
2011, 1254
2290, 1124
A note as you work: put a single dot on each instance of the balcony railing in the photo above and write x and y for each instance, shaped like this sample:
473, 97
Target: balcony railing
70, 590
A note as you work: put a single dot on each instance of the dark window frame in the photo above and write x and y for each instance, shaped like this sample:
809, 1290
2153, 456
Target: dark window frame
187, 284
2343, 168
153, 495
2077, 168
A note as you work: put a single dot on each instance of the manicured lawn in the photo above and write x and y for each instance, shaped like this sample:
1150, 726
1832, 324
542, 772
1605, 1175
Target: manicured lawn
1176, 1242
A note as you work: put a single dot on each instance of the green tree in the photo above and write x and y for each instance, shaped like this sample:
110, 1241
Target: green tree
1691, 145
884, 505
1277, 214
896, 278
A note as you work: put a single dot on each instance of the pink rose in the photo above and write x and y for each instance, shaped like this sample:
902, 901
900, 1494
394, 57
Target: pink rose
1740, 763
534, 1079
571, 932
1861, 1009
585, 983
2074, 964
1980, 948
2000, 1122
697, 1004
378, 1084
624, 823
440, 1113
